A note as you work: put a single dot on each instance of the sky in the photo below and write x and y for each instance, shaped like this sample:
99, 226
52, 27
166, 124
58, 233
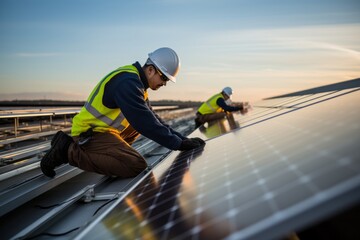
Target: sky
261, 48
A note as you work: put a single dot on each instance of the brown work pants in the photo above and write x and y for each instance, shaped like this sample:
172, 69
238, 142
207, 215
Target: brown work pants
203, 118
108, 154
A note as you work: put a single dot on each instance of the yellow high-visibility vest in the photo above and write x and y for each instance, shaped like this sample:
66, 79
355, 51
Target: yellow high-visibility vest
210, 105
97, 116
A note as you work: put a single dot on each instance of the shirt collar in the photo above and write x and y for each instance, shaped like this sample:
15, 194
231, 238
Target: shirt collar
143, 78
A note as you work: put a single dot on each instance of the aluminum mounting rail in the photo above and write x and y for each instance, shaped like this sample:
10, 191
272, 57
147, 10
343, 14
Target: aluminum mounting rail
15, 196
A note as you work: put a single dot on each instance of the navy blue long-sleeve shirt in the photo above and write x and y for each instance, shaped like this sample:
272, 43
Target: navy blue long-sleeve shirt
126, 91
221, 103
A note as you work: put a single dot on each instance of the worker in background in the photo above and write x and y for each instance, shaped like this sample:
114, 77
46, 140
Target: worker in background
217, 107
115, 114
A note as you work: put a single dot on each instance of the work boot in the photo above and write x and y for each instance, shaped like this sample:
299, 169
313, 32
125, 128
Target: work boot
197, 123
57, 154
56, 136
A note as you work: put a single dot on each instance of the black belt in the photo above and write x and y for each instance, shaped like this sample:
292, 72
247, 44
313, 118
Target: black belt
85, 136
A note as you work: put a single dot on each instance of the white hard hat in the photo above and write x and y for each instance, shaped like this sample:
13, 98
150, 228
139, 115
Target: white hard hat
227, 91
166, 60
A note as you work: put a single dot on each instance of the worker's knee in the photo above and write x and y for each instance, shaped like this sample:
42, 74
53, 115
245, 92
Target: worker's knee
137, 166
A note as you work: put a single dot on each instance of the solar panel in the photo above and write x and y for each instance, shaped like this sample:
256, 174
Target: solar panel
263, 179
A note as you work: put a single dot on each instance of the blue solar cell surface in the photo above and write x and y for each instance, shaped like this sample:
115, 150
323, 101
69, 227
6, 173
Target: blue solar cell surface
288, 163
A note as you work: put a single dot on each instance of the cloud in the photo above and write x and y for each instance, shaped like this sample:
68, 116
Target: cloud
351, 52
343, 35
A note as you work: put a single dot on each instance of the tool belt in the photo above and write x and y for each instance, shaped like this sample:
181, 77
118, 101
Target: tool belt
85, 137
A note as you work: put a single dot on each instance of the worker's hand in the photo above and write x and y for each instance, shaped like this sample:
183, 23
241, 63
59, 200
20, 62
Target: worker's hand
199, 140
191, 143
244, 111
245, 107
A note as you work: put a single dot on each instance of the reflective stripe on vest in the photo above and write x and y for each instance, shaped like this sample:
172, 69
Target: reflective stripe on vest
210, 106
97, 116
116, 123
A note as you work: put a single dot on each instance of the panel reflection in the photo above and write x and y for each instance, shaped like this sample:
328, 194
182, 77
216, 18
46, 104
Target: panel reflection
217, 128
147, 210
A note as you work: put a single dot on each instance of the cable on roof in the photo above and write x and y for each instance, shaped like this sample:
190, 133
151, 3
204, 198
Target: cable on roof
57, 204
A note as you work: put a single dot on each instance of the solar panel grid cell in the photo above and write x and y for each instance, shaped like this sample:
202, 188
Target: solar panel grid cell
260, 182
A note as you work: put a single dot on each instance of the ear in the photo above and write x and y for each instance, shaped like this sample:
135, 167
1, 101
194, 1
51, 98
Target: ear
151, 71
148, 71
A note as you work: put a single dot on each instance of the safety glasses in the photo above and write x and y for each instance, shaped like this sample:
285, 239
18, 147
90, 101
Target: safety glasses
163, 77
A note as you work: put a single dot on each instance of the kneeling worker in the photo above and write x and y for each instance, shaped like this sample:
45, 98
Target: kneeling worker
216, 107
115, 114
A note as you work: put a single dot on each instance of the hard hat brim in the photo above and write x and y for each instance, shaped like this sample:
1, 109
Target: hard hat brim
171, 78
